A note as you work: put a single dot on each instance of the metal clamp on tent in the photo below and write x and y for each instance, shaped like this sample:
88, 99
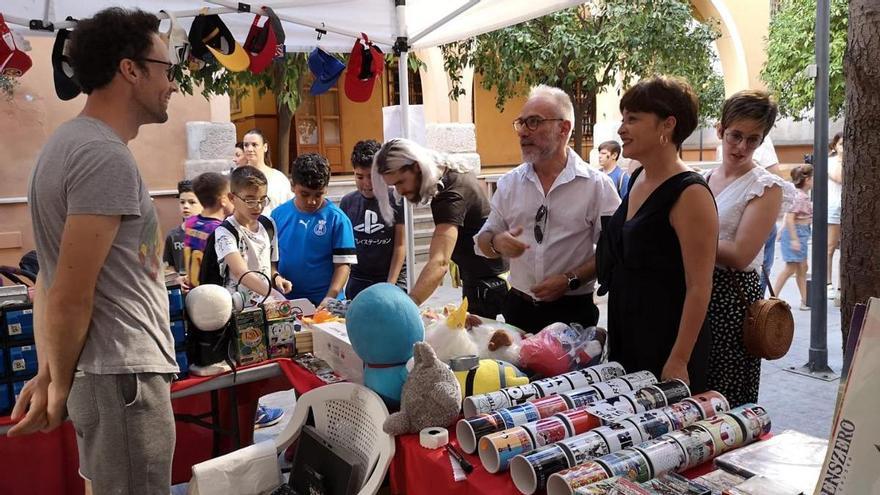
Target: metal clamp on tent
401, 45
244, 7
39, 25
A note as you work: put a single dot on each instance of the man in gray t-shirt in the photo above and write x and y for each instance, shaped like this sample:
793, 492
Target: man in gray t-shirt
105, 350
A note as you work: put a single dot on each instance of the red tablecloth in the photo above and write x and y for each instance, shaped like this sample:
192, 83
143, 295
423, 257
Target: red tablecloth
47, 463
416, 470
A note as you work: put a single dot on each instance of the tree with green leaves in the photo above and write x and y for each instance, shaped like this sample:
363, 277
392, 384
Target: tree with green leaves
791, 50
584, 49
284, 78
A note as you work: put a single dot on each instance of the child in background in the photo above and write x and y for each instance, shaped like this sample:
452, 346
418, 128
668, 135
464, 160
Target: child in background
189, 205
255, 247
796, 234
316, 238
212, 191
381, 249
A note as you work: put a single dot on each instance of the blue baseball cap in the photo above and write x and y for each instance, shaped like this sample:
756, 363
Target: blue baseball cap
326, 69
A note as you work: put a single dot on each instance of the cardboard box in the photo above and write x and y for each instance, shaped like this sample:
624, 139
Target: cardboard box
250, 338
332, 345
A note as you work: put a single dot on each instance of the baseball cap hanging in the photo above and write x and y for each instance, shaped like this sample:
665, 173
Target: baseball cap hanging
262, 43
66, 86
365, 64
178, 42
209, 36
14, 62
326, 69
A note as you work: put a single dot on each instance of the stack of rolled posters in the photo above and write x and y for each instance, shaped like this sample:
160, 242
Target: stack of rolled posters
675, 451
531, 471
470, 430
497, 449
512, 396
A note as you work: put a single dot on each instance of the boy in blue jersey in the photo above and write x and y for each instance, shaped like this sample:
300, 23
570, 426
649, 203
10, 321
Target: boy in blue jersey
315, 238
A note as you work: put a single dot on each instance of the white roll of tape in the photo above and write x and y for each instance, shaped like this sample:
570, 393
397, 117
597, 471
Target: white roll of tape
433, 437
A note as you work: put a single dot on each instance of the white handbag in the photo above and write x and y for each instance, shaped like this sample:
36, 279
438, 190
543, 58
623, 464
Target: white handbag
252, 470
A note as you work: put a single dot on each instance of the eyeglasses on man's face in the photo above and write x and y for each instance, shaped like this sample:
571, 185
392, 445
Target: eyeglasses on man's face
254, 203
734, 138
531, 123
169, 71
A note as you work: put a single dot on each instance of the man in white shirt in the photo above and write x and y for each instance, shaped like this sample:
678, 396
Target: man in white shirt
545, 219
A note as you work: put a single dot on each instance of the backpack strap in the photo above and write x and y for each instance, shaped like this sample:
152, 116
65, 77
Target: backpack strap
268, 224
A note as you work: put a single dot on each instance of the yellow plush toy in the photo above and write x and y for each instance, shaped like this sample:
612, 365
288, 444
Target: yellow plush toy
487, 376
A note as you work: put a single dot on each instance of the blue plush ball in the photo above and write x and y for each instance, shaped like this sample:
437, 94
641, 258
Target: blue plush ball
383, 324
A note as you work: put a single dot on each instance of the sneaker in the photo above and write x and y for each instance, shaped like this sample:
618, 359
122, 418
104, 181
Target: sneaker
804, 307
267, 416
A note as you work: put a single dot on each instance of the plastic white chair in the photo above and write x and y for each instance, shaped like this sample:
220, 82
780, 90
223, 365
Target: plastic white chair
349, 415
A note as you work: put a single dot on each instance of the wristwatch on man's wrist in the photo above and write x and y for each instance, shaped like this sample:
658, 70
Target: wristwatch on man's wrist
573, 281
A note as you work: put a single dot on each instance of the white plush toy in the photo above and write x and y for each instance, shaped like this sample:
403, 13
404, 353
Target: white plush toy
491, 339
209, 307
449, 338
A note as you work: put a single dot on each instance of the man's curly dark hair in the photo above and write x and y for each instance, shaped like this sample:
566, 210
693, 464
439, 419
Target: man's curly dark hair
311, 170
99, 43
363, 153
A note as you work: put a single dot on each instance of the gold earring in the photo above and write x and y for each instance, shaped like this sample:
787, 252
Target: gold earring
664, 140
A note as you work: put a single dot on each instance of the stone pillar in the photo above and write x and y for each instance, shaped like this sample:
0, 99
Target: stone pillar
209, 148
458, 140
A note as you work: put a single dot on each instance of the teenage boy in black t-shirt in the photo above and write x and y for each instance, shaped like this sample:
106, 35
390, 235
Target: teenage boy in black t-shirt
381, 249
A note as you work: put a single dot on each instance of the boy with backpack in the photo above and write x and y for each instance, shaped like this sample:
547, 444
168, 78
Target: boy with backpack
189, 205
212, 191
609, 152
245, 242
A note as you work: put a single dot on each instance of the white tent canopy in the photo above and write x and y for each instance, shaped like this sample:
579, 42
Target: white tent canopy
423, 23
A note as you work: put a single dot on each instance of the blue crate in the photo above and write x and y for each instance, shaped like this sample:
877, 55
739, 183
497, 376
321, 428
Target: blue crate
6, 399
178, 330
16, 389
18, 323
23, 360
3, 369
183, 364
175, 301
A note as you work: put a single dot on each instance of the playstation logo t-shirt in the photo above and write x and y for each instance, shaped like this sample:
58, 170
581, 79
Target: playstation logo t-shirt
374, 240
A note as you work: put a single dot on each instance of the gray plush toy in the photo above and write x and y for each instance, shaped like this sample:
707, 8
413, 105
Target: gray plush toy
431, 395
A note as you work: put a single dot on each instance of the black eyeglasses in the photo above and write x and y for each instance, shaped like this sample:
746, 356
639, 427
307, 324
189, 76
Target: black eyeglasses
531, 123
540, 224
254, 203
169, 71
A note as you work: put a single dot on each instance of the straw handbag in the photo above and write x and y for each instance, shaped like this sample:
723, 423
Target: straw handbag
768, 326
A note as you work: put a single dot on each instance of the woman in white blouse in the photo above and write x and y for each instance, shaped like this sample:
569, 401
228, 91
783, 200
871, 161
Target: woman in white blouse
749, 200
256, 152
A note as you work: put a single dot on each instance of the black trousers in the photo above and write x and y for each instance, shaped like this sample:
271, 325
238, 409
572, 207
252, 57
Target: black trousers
485, 297
533, 316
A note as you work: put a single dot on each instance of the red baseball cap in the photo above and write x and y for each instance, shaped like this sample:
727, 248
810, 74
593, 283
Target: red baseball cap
262, 43
13, 60
365, 63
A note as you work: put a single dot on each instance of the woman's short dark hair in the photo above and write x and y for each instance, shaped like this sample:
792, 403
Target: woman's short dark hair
800, 174
751, 104
833, 145
268, 158
363, 153
665, 97
99, 43
311, 170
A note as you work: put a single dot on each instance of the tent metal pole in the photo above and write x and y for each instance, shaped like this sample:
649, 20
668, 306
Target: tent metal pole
452, 15
401, 49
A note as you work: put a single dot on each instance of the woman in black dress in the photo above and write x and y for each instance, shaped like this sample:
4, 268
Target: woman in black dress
657, 251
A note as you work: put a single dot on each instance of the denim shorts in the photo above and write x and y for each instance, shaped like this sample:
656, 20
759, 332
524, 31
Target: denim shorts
790, 255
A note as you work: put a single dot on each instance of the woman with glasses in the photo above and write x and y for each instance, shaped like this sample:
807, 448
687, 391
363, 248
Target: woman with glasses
657, 251
749, 200
256, 154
